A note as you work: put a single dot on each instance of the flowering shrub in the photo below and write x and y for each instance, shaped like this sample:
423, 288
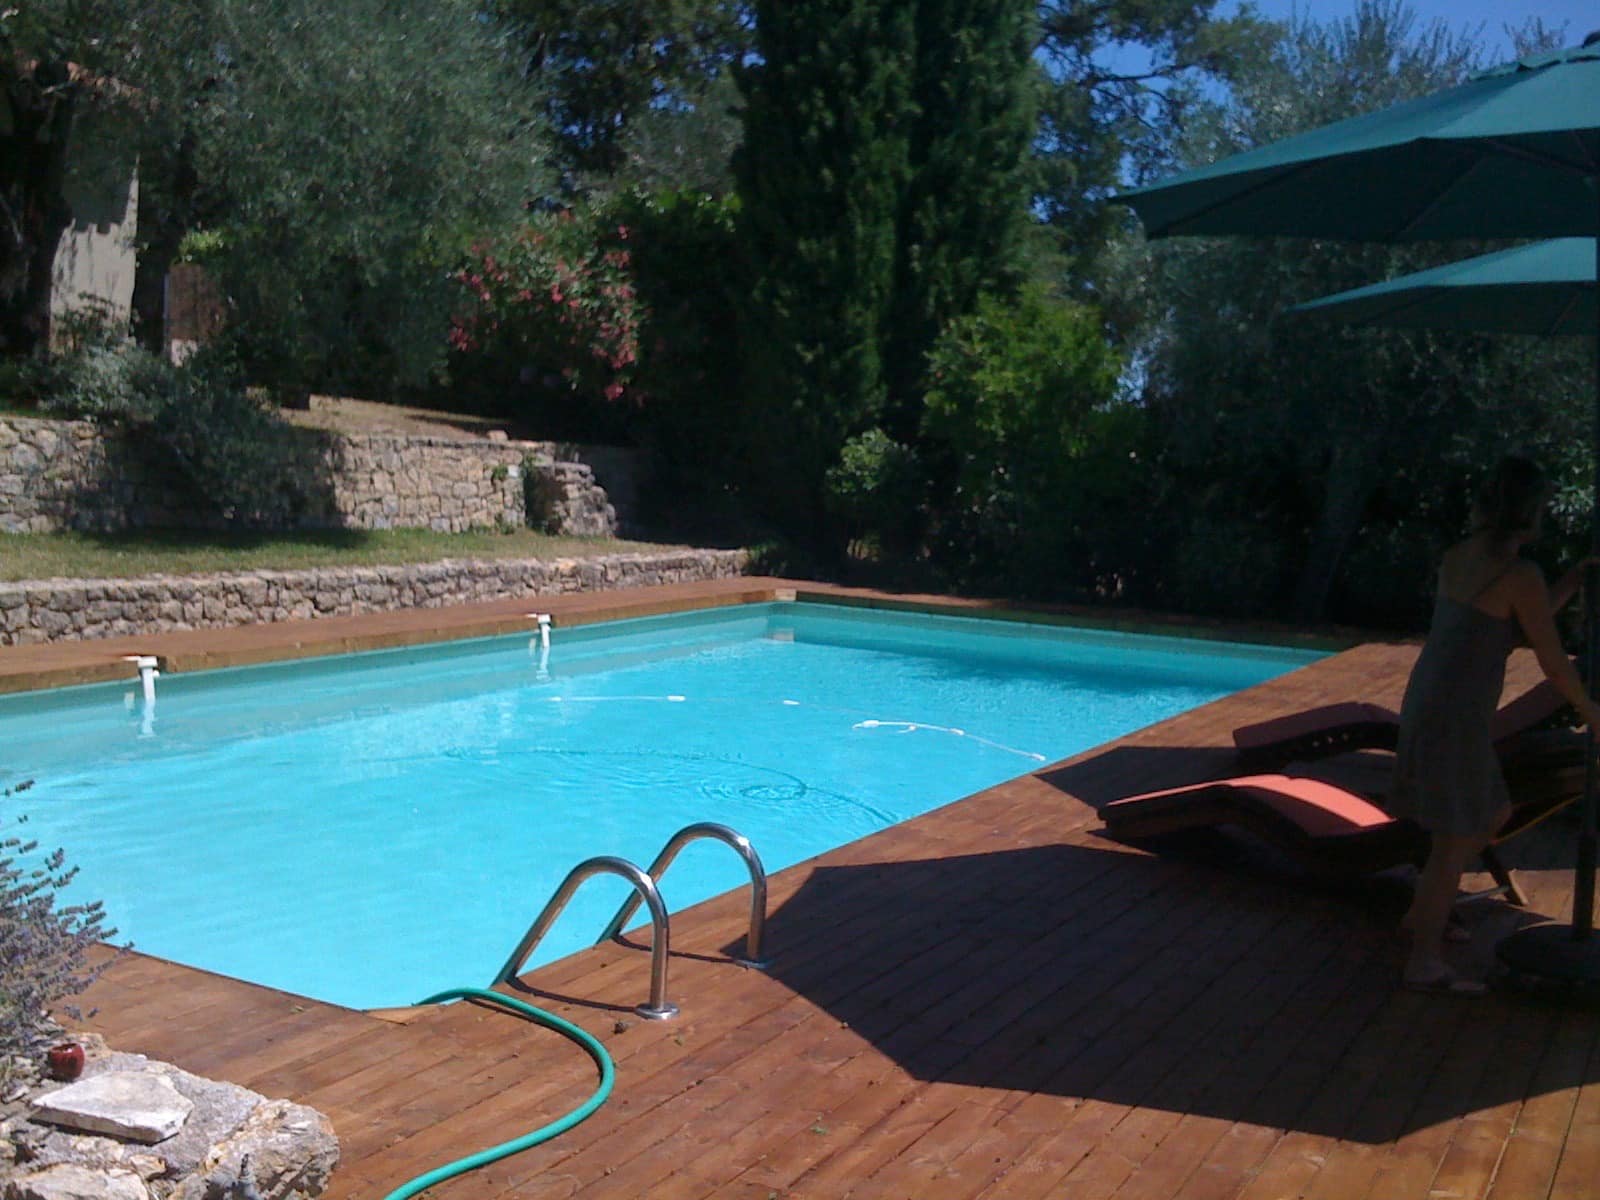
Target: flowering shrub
42, 947
556, 300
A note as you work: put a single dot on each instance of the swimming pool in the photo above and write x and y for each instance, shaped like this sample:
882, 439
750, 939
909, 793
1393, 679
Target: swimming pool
369, 828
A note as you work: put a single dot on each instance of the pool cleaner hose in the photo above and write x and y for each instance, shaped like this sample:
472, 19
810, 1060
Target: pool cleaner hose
545, 1133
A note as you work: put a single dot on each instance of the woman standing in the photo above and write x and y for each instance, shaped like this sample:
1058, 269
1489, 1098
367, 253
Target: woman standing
1447, 775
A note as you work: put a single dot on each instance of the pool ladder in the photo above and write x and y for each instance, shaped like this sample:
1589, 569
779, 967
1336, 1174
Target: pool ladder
645, 891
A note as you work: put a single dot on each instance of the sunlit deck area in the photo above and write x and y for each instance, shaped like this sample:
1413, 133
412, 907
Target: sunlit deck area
991, 1000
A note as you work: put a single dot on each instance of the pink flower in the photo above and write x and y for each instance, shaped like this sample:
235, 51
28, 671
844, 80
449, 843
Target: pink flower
613, 391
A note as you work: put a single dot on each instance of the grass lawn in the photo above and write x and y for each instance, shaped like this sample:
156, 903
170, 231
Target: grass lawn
120, 555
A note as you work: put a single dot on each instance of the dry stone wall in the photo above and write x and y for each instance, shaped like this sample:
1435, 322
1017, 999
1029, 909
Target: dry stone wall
57, 475
443, 484
57, 609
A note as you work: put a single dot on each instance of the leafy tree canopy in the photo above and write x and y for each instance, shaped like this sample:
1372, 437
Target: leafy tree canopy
1310, 428
1120, 78
614, 66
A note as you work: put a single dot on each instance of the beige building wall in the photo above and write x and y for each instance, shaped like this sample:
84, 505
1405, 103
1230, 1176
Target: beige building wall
95, 261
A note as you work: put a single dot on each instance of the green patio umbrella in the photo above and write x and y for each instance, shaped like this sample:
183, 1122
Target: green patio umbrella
1547, 288
1512, 153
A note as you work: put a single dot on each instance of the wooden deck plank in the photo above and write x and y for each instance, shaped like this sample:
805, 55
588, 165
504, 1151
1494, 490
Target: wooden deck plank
987, 1001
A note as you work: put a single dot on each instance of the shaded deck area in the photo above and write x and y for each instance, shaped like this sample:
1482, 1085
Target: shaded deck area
989, 1000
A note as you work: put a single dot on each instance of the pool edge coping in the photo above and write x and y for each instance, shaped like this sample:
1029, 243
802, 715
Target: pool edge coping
71, 662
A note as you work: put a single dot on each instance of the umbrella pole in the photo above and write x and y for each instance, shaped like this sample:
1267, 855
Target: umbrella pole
1583, 880
1566, 958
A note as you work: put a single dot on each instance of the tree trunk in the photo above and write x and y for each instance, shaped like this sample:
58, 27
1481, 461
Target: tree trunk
166, 213
1346, 489
33, 206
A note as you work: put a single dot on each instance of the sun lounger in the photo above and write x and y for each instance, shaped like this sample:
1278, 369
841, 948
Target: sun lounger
1327, 828
1353, 725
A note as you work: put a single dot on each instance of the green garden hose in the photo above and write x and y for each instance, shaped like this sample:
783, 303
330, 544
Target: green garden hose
472, 1161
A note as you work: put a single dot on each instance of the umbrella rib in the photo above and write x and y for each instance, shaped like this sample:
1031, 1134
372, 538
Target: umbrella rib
1432, 202
1507, 150
1585, 166
1232, 198
1567, 310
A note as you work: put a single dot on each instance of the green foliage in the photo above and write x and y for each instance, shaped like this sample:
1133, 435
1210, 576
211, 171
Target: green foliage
1387, 579
201, 246
877, 488
239, 463
541, 496
614, 66
1321, 429
100, 374
683, 146
1019, 402
337, 159
1227, 566
43, 944
134, 552
345, 155
691, 285
963, 210
550, 316
821, 175
59, 61
1100, 116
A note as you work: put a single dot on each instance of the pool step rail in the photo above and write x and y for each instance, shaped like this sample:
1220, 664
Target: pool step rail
645, 891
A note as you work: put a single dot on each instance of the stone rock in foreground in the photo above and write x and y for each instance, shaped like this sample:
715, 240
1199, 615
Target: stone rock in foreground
235, 1144
288, 1150
137, 1106
66, 1181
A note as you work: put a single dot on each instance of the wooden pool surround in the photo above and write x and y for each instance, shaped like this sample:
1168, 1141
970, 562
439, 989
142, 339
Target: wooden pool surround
990, 1000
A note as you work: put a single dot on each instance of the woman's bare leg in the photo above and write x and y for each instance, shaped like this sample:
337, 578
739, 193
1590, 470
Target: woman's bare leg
1437, 886
1435, 895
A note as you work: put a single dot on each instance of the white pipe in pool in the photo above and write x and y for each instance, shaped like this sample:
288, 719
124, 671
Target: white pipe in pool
148, 666
542, 671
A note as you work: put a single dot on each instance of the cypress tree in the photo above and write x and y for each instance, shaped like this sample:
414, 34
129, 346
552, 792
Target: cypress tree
821, 174
964, 211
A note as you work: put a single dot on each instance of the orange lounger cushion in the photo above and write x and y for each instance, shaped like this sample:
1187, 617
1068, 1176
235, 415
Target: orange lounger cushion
1311, 722
1317, 733
1330, 829
1354, 725
1316, 808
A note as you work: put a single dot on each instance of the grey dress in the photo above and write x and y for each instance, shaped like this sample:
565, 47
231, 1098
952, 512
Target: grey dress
1447, 776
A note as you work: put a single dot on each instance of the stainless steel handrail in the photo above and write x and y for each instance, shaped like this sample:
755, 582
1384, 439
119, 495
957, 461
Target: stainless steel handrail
659, 1008
758, 885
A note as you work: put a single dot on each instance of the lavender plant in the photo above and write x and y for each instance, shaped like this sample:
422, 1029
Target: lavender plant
43, 946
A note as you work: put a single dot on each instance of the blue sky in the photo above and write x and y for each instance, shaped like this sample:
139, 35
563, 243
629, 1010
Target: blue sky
1579, 16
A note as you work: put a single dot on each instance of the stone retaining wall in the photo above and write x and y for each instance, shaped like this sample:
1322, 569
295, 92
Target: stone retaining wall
384, 481
58, 475
59, 609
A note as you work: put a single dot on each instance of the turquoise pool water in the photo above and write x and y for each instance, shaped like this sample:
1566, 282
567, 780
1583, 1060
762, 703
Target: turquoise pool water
372, 828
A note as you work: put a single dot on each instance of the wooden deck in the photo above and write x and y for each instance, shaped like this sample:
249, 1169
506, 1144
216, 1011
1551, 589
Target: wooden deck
987, 1001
